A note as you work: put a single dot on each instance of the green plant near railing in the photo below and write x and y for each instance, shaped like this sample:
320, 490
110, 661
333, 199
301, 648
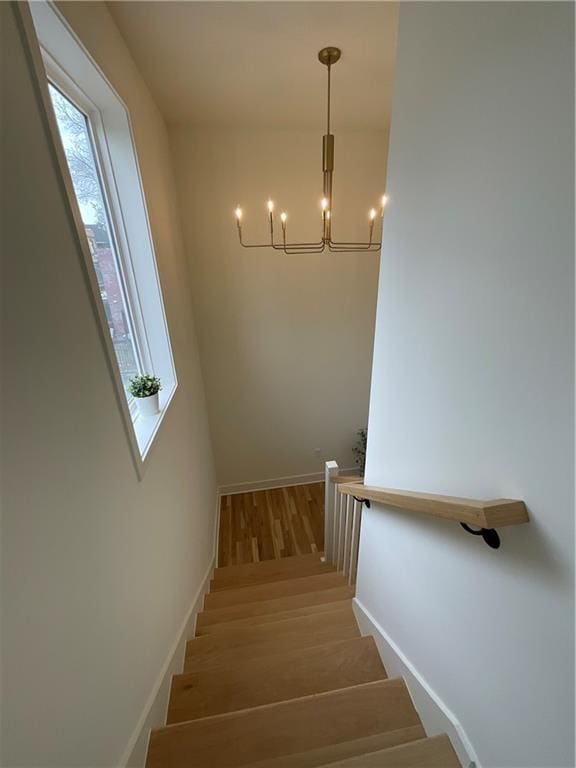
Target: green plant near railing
144, 385
359, 448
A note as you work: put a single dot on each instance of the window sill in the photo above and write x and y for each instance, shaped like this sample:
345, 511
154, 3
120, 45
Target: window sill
146, 427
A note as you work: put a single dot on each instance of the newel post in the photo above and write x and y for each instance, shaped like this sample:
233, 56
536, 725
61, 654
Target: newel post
330, 469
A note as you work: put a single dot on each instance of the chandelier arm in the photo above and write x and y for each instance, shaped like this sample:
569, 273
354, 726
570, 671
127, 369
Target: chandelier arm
250, 245
291, 252
255, 245
307, 249
281, 247
277, 246
355, 242
347, 243
289, 248
374, 248
354, 247
315, 244
305, 244
361, 243
298, 247
351, 250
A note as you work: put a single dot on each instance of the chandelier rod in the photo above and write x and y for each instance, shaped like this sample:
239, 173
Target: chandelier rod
328, 120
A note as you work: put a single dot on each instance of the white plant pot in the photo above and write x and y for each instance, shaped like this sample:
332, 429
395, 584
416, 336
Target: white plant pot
148, 406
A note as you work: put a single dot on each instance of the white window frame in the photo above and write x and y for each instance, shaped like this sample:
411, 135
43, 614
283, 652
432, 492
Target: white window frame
120, 244
69, 66
97, 129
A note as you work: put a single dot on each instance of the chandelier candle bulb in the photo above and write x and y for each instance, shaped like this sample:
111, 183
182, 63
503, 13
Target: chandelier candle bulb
238, 214
270, 206
372, 216
327, 57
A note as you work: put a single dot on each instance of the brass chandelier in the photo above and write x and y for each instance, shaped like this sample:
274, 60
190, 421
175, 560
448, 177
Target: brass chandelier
327, 56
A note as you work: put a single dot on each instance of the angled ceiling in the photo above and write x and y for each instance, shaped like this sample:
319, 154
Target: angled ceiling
246, 64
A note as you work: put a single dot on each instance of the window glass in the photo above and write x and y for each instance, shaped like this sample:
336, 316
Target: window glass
79, 150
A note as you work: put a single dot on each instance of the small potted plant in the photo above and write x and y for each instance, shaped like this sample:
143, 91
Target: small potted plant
145, 389
359, 448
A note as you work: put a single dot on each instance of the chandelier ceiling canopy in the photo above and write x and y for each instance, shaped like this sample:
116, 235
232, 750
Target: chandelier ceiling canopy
328, 57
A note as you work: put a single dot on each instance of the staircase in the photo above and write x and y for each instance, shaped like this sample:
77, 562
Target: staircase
279, 676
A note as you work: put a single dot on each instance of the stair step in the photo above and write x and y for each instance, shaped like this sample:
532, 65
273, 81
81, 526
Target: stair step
325, 755
279, 677
271, 618
241, 643
273, 590
434, 752
234, 576
275, 605
288, 727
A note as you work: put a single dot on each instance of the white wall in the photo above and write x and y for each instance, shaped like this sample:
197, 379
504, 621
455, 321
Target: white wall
285, 341
472, 389
99, 570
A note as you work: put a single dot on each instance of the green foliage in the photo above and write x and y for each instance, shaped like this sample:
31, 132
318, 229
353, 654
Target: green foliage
144, 386
359, 448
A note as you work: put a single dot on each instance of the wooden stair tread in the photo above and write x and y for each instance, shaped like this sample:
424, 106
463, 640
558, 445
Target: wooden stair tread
325, 755
241, 643
234, 576
433, 752
271, 618
278, 677
249, 580
288, 727
274, 605
275, 589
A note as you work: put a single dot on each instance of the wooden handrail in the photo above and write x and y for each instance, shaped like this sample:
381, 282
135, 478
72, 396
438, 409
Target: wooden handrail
486, 514
347, 479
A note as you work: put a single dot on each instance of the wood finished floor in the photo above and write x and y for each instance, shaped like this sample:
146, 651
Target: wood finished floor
269, 525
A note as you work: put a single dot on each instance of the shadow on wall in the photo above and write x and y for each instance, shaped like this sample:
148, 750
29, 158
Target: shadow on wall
523, 547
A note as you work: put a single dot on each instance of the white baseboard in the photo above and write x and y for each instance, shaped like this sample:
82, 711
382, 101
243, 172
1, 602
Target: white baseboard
217, 531
436, 716
276, 482
154, 711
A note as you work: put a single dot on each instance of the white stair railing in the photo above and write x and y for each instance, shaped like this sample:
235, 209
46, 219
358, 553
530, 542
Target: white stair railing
342, 521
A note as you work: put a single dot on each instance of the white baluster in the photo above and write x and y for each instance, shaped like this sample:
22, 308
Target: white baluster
335, 527
341, 530
348, 535
355, 541
337, 543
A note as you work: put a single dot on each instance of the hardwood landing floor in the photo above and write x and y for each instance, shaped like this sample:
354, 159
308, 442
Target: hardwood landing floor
269, 525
